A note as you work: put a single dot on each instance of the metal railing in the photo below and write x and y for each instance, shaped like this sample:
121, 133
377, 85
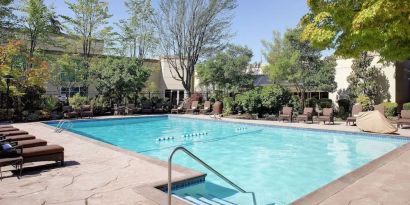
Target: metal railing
180, 148
60, 125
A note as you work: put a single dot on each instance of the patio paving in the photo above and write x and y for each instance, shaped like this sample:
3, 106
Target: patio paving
97, 173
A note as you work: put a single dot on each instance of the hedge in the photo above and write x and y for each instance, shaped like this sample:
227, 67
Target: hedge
406, 106
390, 108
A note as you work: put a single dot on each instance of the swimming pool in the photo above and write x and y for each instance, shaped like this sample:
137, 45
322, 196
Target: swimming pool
279, 164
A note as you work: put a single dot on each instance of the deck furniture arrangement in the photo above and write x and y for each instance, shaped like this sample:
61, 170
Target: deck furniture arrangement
194, 108
404, 118
69, 112
307, 115
86, 111
24, 149
119, 110
130, 109
357, 108
207, 108
286, 114
327, 116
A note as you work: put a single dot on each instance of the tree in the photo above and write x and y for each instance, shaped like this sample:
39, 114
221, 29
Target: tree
367, 80
189, 30
298, 63
138, 32
39, 21
7, 19
118, 78
68, 71
90, 18
227, 70
353, 27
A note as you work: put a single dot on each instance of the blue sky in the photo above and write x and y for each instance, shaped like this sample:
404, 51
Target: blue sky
254, 19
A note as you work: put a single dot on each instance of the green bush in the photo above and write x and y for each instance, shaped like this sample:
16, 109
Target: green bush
390, 108
273, 97
311, 102
50, 103
77, 100
406, 106
344, 107
250, 101
229, 105
295, 103
325, 103
100, 105
365, 102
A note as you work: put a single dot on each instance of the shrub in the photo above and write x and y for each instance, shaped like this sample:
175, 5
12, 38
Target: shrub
273, 97
250, 101
229, 105
406, 106
364, 101
77, 100
325, 103
344, 107
295, 103
311, 102
50, 103
390, 108
99, 105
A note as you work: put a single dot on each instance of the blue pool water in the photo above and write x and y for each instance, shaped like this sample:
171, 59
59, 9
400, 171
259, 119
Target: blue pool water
279, 164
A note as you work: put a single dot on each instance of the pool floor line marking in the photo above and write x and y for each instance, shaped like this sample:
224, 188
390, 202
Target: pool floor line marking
202, 141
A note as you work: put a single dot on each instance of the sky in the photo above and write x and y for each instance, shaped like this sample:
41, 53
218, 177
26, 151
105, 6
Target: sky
254, 19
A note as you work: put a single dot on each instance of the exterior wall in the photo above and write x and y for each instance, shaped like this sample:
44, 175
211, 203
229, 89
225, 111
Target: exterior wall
167, 81
343, 70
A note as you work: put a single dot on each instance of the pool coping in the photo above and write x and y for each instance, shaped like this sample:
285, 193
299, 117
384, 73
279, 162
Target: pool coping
152, 191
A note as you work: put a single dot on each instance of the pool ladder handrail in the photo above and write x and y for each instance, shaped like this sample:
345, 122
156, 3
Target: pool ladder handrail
190, 154
60, 125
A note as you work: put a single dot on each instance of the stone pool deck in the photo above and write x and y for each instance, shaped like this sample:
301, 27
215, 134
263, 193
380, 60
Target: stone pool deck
97, 173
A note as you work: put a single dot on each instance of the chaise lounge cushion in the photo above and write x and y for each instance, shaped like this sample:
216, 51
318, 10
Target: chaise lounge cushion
12, 133
42, 150
31, 143
20, 137
8, 129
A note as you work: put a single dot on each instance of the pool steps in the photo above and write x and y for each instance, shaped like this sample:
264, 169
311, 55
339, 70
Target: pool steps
207, 199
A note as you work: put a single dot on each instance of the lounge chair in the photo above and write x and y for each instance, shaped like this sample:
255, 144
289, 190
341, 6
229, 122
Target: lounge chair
86, 111
286, 114
207, 108
5, 126
25, 143
8, 129
355, 111
159, 108
147, 107
327, 116
194, 108
17, 137
42, 153
130, 109
179, 109
404, 118
380, 108
307, 115
16, 161
217, 110
69, 112
11, 133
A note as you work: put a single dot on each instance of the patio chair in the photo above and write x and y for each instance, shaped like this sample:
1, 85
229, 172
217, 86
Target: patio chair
178, 109
86, 111
357, 108
380, 108
130, 109
42, 153
217, 110
6, 126
147, 107
194, 108
27, 143
207, 108
159, 108
404, 118
16, 161
69, 112
327, 116
119, 110
11, 133
286, 114
307, 115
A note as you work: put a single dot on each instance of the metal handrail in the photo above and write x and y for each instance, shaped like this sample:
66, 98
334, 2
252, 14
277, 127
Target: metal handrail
180, 148
60, 125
